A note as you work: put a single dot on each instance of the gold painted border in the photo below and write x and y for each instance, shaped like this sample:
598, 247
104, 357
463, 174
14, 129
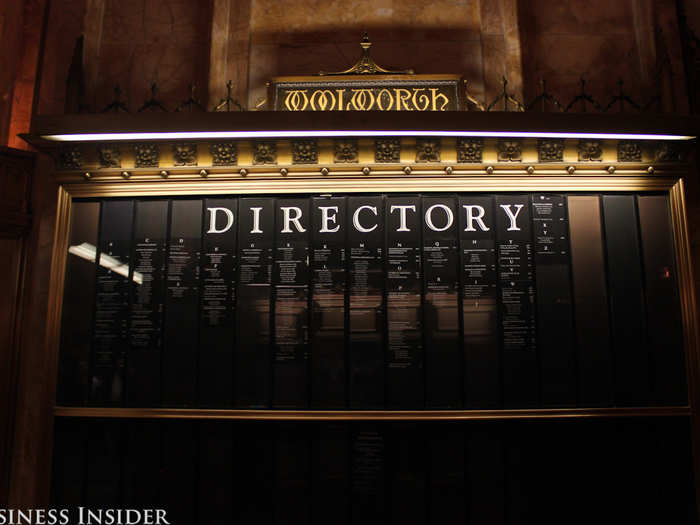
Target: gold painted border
686, 288
57, 277
365, 415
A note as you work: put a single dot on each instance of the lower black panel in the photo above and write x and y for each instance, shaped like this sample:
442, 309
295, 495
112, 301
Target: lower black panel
216, 472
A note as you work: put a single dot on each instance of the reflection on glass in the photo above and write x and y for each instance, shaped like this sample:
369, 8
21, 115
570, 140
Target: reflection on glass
88, 252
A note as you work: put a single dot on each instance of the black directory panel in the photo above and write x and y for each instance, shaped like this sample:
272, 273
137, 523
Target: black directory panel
104, 456
626, 295
110, 333
178, 480
68, 461
328, 284
365, 251
142, 463
78, 302
404, 361
147, 298
482, 373
441, 303
292, 475
215, 472
517, 300
447, 496
368, 476
486, 476
396, 301
406, 466
217, 327
664, 324
291, 304
252, 362
555, 337
254, 475
182, 304
590, 301
330, 474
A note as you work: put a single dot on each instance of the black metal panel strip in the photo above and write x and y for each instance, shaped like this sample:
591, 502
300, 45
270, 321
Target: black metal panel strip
479, 302
216, 472
664, 329
555, 334
252, 361
217, 303
180, 332
626, 294
147, 298
290, 278
366, 306
110, 335
443, 362
328, 292
78, 302
590, 301
404, 360
517, 301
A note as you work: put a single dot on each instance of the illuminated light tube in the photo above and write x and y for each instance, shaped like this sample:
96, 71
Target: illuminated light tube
271, 134
87, 251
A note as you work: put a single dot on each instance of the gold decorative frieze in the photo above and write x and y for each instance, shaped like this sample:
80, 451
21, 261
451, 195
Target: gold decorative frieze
387, 150
590, 150
224, 153
109, 156
305, 151
428, 150
146, 155
666, 151
510, 150
629, 151
345, 150
264, 152
70, 157
473, 156
550, 150
185, 154
469, 150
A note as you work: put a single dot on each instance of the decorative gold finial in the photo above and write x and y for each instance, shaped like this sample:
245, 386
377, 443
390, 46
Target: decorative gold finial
365, 65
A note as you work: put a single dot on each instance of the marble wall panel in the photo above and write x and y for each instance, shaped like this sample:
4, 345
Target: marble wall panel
146, 41
290, 37
64, 27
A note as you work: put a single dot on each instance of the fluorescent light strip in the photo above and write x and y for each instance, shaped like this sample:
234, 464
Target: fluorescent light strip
88, 252
181, 135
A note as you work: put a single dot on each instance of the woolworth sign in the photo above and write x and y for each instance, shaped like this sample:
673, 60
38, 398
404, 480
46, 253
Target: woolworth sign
371, 93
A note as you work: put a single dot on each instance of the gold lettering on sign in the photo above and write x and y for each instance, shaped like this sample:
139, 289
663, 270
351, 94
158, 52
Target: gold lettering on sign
402, 98
424, 99
362, 99
437, 96
366, 99
380, 97
322, 100
296, 100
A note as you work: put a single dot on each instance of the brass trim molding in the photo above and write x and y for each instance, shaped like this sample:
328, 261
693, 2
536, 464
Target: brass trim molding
312, 185
57, 277
382, 415
686, 289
